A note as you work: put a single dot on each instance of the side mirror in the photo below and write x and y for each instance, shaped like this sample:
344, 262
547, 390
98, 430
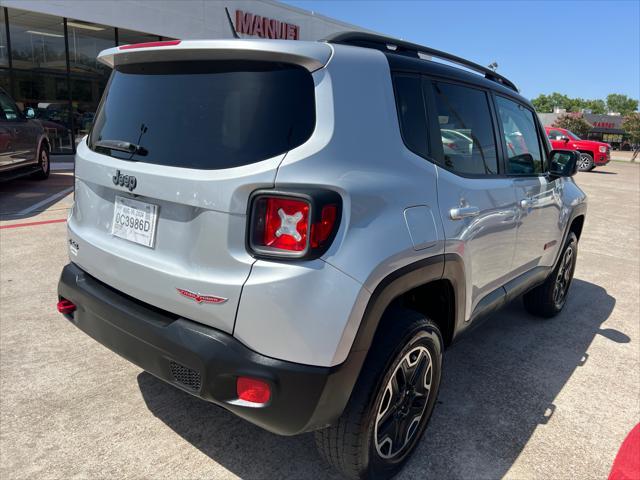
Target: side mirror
30, 113
563, 163
565, 139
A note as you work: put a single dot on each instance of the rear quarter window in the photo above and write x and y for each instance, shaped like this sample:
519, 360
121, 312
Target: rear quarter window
411, 112
206, 114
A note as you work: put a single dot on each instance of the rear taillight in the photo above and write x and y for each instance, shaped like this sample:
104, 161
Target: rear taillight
293, 224
66, 306
286, 223
321, 231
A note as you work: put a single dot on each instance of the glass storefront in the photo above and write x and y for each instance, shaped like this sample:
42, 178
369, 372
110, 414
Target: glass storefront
88, 76
126, 37
49, 63
4, 52
616, 139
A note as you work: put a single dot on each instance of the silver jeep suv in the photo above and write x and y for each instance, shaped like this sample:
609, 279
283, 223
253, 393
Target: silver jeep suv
297, 230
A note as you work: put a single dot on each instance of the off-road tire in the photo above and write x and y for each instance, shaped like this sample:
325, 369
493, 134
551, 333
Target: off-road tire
349, 444
44, 164
540, 300
585, 162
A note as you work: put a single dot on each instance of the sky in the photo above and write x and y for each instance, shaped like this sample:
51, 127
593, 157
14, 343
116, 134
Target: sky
584, 49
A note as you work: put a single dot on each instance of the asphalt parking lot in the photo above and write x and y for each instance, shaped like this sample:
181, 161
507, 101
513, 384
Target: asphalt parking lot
521, 398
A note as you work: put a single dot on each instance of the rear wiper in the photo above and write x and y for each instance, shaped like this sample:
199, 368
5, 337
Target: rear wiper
122, 146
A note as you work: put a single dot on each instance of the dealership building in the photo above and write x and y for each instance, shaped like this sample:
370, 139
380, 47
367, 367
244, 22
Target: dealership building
48, 49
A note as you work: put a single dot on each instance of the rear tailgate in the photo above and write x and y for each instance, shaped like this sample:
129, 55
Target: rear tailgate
210, 132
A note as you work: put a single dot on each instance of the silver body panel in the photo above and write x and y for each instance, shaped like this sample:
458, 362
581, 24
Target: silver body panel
486, 241
397, 210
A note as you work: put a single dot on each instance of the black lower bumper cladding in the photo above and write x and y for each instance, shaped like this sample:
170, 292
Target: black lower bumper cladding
203, 360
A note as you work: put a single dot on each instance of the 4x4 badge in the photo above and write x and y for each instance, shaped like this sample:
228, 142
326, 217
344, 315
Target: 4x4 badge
196, 297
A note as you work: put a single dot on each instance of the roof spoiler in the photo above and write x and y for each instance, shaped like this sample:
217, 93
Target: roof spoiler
393, 45
310, 55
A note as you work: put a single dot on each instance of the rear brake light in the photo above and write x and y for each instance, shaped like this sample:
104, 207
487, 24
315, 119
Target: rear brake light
293, 224
164, 43
253, 390
66, 306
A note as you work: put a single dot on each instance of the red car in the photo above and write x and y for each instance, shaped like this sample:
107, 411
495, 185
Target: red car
592, 153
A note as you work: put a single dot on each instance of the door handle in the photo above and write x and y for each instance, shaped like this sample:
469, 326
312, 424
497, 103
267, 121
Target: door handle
463, 212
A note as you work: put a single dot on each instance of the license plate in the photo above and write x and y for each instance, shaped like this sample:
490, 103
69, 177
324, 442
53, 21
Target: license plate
135, 221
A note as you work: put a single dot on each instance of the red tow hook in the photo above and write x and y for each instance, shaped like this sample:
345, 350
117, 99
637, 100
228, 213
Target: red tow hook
66, 306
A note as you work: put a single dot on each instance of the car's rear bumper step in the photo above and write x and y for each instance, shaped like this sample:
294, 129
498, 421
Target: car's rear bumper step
204, 361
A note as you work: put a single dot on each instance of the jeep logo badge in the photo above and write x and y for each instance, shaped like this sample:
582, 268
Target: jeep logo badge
128, 181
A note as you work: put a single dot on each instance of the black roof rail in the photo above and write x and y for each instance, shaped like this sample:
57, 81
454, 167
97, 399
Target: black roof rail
393, 45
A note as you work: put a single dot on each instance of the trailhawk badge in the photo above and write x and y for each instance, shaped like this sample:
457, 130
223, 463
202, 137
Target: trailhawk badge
196, 297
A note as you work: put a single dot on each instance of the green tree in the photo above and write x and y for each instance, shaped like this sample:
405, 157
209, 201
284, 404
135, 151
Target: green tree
615, 103
542, 104
596, 106
624, 105
546, 103
574, 122
631, 125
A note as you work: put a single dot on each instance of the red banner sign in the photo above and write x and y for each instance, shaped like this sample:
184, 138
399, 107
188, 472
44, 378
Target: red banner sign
604, 124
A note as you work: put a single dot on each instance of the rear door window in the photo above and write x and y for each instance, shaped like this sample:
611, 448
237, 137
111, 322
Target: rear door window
466, 129
521, 139
205, 114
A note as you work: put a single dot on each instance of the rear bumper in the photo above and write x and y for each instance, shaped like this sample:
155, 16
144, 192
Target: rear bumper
204, 361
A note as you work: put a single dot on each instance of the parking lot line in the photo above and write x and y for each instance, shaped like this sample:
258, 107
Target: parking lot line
31, 224
46, 201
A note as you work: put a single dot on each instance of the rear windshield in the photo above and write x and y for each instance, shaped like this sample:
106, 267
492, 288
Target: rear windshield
205, 114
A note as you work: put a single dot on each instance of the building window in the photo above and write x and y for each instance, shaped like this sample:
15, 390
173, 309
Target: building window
88, 76
4, 48
127, 37
37, 41
86, 41
39, 61
64, 90
4, 54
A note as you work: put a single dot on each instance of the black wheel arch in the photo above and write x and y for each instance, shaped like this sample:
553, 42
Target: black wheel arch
438, 268
43, 143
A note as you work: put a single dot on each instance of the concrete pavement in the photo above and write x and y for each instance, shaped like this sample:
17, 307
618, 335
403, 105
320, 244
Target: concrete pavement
521, 398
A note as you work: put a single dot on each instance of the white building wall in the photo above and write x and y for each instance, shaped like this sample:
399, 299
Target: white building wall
184, 19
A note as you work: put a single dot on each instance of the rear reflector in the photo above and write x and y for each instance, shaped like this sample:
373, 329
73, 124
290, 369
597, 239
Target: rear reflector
253, 390
66, 306
164, 43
